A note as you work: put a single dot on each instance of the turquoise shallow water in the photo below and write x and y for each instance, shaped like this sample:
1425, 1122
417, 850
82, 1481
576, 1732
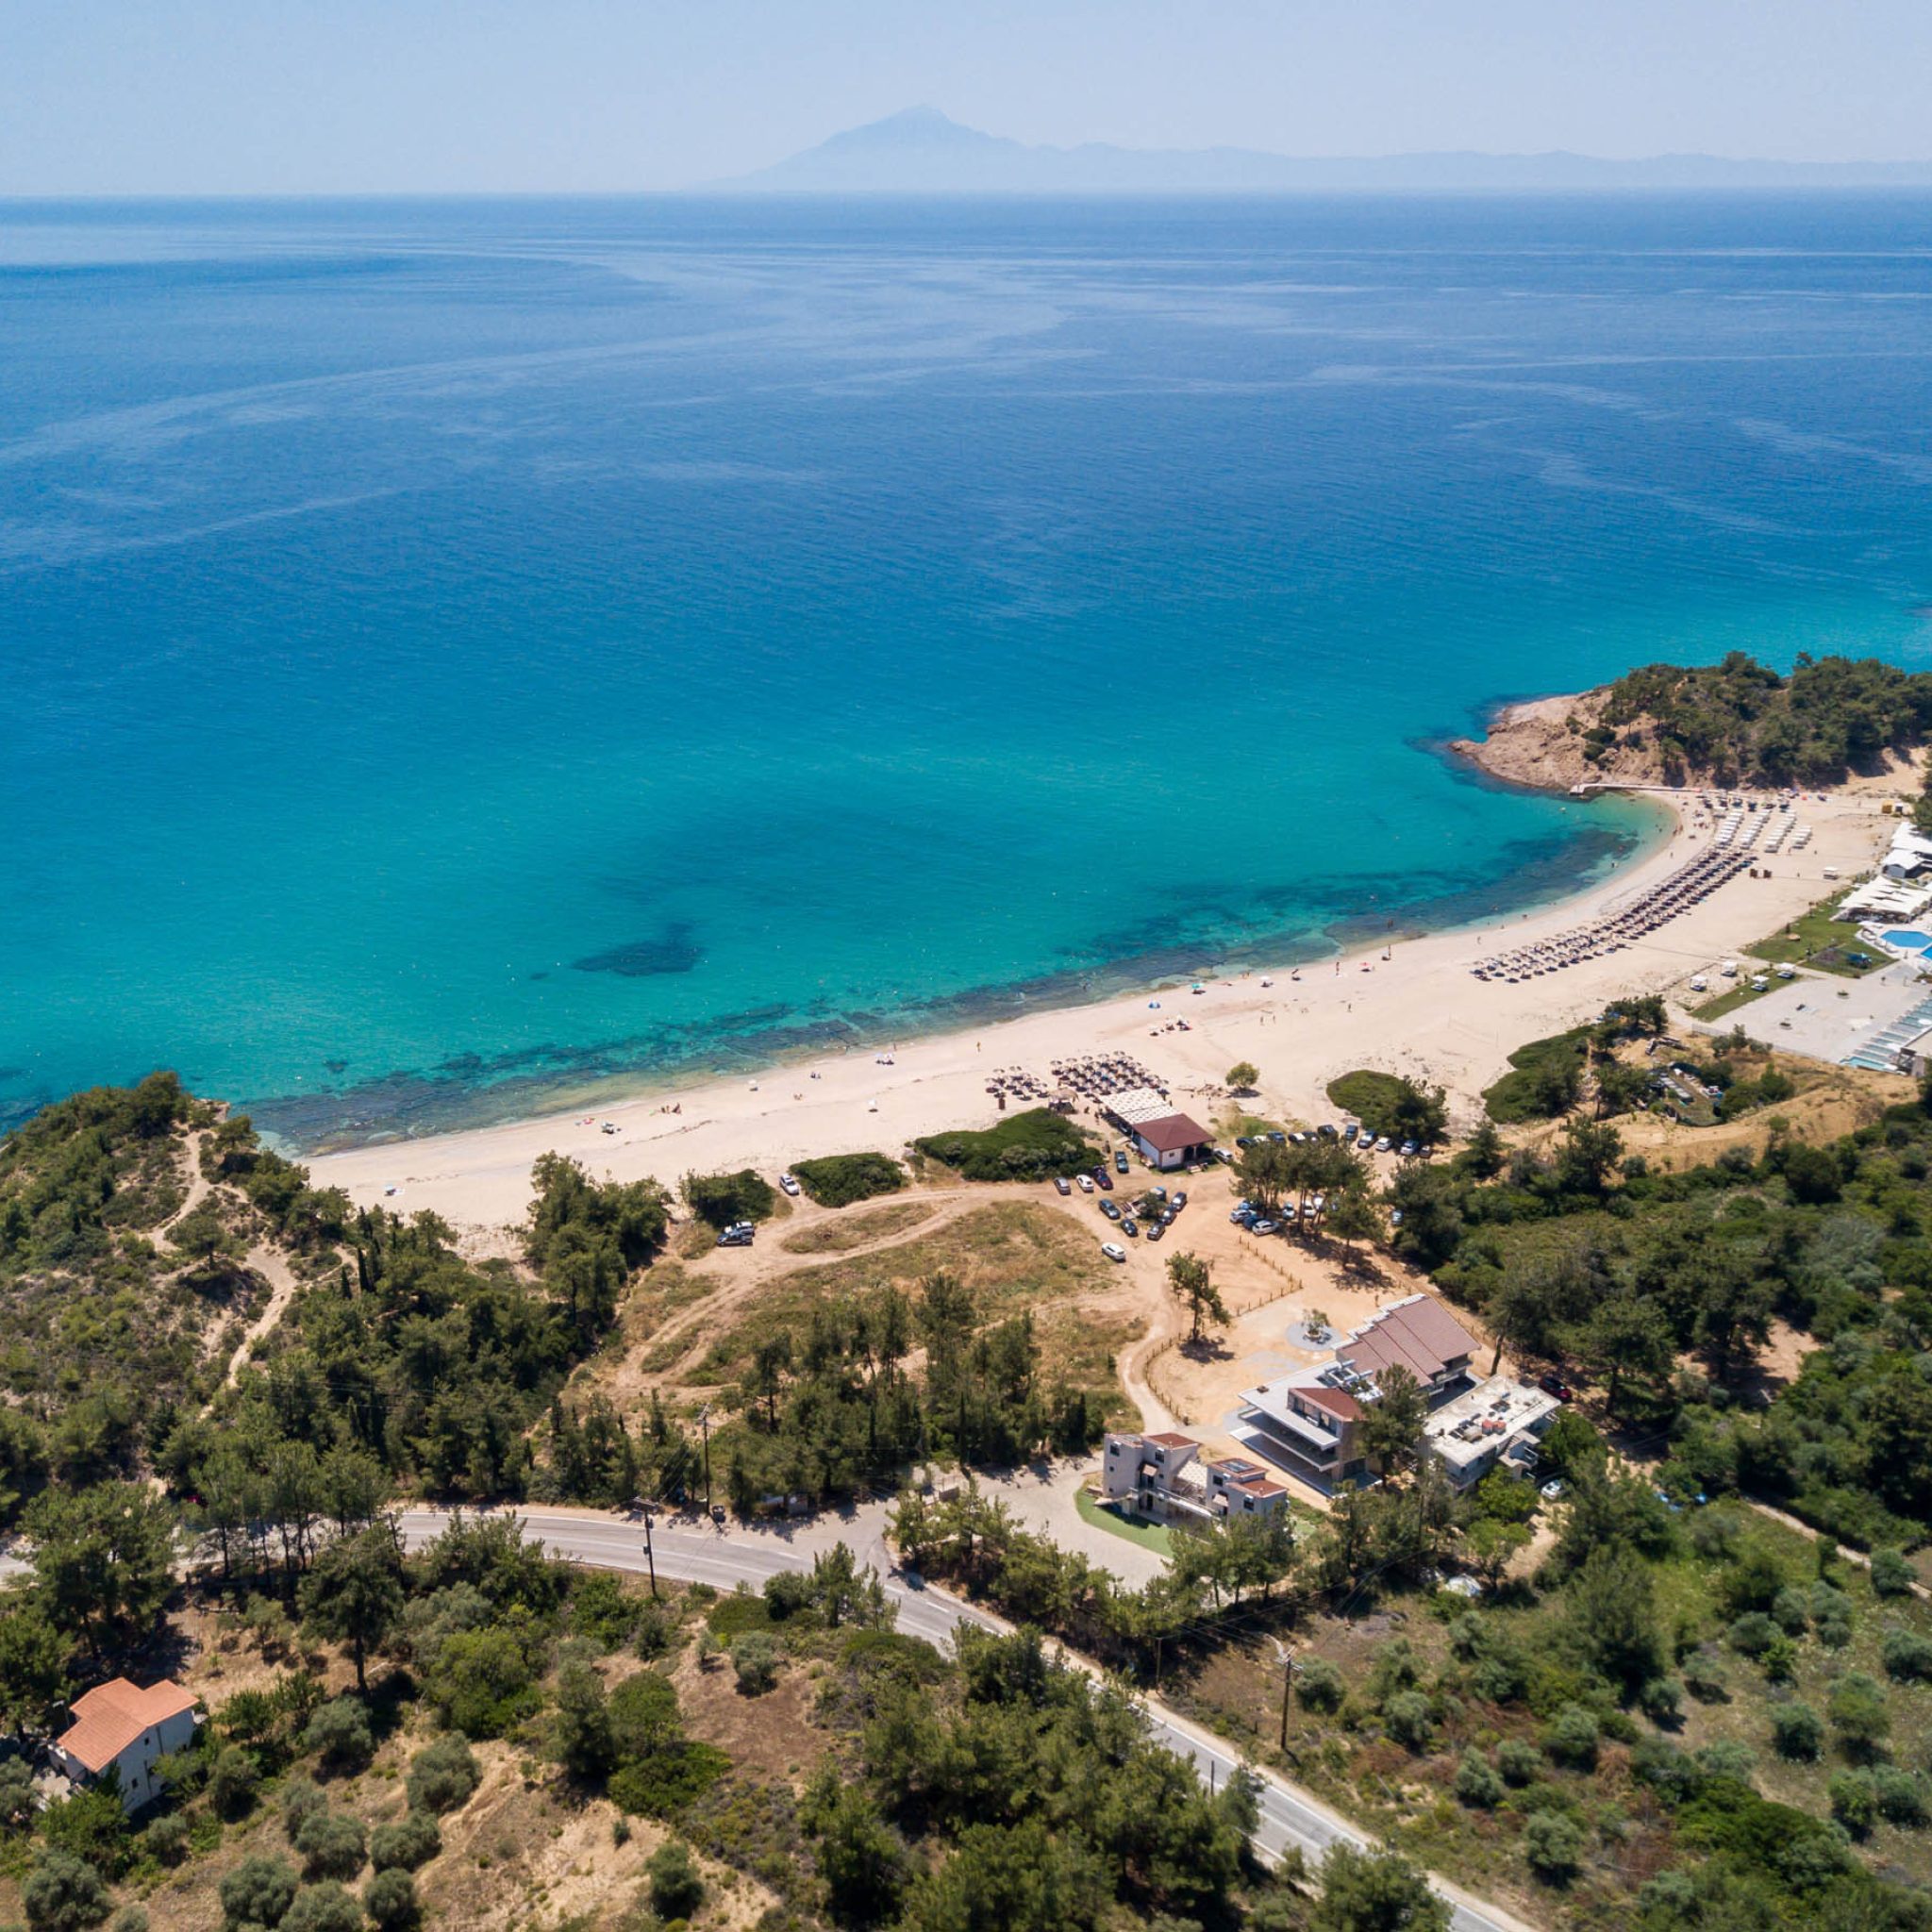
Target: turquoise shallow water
461, 650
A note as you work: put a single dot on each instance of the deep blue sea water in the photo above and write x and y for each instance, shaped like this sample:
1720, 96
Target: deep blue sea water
458, 651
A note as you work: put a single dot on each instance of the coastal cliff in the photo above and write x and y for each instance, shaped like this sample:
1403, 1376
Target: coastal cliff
1542, 743
1833, 721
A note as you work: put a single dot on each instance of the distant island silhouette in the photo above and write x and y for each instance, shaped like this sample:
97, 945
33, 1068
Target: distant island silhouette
922, 151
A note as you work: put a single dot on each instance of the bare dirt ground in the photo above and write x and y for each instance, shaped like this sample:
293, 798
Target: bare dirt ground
771, 1735
1202, 1383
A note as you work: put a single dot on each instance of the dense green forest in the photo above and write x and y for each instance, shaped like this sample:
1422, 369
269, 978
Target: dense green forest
1663, 1288
1739, 721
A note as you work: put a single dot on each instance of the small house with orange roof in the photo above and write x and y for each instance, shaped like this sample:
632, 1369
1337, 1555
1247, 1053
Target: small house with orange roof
119, 1726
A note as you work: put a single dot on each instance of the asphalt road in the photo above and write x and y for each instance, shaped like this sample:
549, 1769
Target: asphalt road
1290, 1818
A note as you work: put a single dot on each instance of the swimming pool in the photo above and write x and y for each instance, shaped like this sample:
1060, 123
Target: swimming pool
1908, 942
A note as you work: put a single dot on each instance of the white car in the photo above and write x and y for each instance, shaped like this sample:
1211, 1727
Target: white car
1551, 1489
1085, 1182
1113, 1251
789, 1182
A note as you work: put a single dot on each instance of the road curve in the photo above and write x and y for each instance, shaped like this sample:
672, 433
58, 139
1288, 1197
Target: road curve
1290, 1818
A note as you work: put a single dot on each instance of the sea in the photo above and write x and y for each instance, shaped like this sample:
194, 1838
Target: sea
464, 655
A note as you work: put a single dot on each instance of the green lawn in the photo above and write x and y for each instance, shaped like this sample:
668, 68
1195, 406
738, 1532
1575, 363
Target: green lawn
1739, 995
1813, 940
1150, 1535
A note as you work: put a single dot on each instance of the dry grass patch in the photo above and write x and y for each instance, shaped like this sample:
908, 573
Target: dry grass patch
1081, 1348
770, 1737
1012, 1255
520, 1853
843, 1230
1829, 1103
624, 1363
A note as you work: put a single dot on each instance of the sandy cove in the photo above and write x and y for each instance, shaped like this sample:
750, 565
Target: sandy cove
1418, 1012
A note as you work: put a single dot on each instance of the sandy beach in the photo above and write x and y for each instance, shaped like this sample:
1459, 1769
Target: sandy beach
1417, 1010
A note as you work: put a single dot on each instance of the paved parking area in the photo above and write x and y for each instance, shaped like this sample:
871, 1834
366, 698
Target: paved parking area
1826, 1017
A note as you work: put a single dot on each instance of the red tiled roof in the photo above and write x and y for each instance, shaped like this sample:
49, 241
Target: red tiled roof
1167, 1439
1260, 1486
1173, 1133
1419, 1334
1335, 1401
110, 1717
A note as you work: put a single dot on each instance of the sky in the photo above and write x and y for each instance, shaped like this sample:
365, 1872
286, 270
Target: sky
394, 97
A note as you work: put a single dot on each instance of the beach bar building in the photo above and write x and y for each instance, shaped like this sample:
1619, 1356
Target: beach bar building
1910, 855
1165, 1137
119, 1726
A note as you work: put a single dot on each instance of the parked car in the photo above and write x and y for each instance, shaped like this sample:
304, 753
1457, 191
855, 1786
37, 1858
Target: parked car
1130, 1227
1158, 1229
1179, 1201
1551, 1489
1106, 1179
1260, 1228
1555, 1385
1110, 1210
1408, 1148
1061, 1185
1243, 1140
1275, 1135
1085, 1181
1120, 1161
1381, 1143
1113, 1251
741, 1234
789, 1182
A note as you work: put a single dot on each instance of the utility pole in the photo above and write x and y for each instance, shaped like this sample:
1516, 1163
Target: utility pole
650, 1554
1287, 1657
704, 1423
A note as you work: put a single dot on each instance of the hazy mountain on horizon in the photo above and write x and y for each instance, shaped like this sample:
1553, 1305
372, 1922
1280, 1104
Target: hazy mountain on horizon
922, 151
